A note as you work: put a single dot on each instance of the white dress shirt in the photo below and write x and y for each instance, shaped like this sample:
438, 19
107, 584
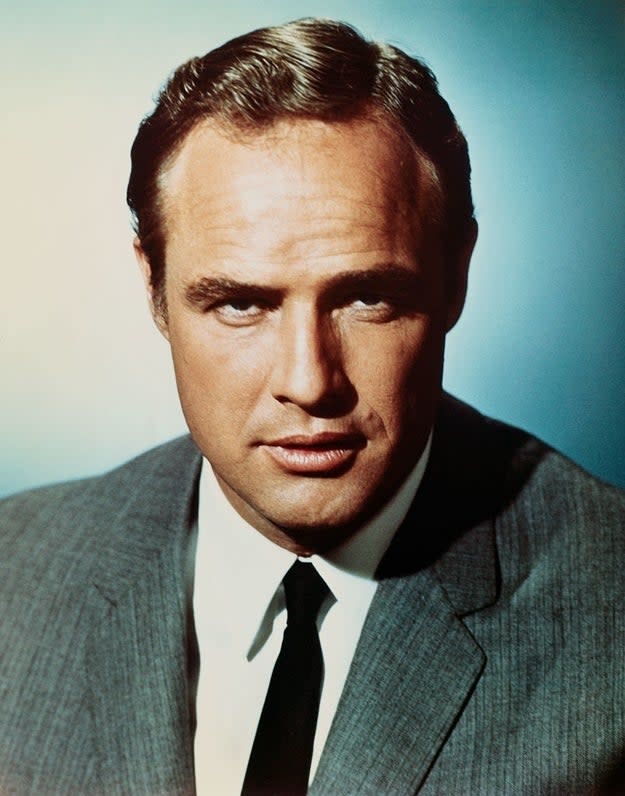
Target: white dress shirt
240, 615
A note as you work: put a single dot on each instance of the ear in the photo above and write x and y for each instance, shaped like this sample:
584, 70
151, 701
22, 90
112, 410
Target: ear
458, 279
146, 271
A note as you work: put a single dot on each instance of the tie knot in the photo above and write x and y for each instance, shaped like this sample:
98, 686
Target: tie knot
305, 590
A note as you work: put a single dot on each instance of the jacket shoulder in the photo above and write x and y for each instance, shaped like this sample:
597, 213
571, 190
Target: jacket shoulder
57, 519
66, 553
569, 524
508, 461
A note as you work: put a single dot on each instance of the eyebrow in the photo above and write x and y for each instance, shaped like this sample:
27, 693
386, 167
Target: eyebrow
208, 290
386, 276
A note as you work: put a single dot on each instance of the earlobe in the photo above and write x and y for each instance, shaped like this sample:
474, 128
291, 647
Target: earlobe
458, 279
146, 273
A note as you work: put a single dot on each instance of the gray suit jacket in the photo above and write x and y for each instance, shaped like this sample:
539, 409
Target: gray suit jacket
492, 660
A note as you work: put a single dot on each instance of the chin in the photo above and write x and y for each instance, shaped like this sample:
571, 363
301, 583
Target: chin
315, 539
327, 525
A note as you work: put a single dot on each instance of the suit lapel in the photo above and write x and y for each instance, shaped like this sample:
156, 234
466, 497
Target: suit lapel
413, 671
141, 645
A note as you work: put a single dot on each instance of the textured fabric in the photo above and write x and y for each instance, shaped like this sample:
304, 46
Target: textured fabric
492, 660
94, 634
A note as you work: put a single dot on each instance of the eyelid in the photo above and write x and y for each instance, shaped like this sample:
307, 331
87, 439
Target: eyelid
252, 301
373, 292
382, 289
370, 296
224, 312
261, 303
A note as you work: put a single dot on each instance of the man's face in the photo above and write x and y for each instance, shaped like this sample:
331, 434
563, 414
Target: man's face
306, 319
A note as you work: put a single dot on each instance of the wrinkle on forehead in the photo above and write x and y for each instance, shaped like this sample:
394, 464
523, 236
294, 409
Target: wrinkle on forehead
306, 160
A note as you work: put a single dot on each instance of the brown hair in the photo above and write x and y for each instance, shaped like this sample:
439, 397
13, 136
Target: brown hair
312, 69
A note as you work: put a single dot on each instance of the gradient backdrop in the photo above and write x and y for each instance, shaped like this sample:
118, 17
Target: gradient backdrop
539, 88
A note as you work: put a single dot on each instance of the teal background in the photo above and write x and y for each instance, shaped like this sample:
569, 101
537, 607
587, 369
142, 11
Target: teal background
539, 88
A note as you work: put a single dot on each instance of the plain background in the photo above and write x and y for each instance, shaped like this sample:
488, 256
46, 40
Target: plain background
539, 89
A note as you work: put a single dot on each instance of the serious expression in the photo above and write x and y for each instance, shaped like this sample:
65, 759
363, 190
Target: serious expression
306, 315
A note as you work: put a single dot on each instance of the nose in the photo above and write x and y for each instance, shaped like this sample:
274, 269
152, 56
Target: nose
308, 368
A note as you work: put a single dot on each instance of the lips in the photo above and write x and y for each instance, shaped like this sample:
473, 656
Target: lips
326, 453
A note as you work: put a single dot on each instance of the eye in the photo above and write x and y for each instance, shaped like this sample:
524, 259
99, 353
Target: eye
371, 306
368, 301
239, 311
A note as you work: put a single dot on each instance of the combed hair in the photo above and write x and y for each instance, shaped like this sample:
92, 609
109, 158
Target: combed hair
307, 69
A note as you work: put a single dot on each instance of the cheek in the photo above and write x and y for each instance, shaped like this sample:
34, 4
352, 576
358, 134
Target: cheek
214, 378
398, 375
392, 358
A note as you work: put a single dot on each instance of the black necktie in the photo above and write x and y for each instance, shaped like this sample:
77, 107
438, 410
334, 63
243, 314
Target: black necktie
279, 763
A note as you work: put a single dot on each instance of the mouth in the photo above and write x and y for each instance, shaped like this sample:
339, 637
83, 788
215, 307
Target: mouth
327, 453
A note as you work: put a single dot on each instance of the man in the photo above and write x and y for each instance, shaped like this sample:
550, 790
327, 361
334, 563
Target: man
304, 226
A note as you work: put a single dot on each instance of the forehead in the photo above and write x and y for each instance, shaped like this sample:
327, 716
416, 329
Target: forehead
298, 183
